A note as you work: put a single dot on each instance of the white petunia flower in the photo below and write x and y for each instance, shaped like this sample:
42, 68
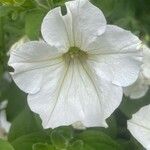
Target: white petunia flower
78, 73
4, 124
141, 86
139, 126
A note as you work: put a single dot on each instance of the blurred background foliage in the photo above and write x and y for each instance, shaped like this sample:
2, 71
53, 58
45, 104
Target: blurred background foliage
23, 17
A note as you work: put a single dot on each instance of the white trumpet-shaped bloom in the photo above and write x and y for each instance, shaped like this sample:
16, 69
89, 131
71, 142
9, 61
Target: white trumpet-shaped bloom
77, 74
139, 126
141, 86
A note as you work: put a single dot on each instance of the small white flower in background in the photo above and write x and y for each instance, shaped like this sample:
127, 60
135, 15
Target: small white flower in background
139, 126
4, 124
141, 86
78, 73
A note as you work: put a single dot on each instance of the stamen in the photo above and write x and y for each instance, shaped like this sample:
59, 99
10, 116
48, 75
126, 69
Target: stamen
75, 52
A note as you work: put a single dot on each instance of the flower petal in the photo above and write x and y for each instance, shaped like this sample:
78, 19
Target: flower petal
74, 96
80, 26
4, 124
30, 61
17, 44
137, 89
146, 62
116, 56
139, 126
88, 22
55, 29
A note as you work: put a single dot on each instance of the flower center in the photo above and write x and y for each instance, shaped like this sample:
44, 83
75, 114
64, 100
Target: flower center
75, 52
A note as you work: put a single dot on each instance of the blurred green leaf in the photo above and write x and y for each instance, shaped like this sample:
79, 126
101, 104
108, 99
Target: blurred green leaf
16, 100
99, 140
7, 1
4, 145
77, 145
27, 141
25, 123
40, 146
43, 2
66, 131
14, 15
19, 2
1, 72
58, 140
4, 10
4, 83
105, 6
29, 4
55, 3
33, 24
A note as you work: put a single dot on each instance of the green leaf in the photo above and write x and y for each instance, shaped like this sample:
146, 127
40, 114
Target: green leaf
41, 146
57, 2
43, 3
77, 145
27, 141
105, 6
33, 24
5, 10
7, 1
58, 140
66, 132
25, 123
19, 2
14, 15
98, 140
16, 101
4, 145
4, 83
